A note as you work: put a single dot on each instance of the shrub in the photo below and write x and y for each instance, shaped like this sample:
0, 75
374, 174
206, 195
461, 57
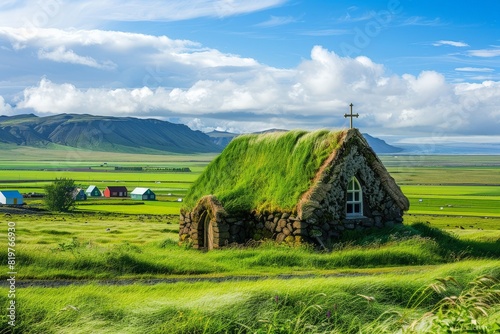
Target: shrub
59, 195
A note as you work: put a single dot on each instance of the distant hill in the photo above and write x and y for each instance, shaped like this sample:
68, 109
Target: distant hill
378, 145
221, 138
104, 133
123, 134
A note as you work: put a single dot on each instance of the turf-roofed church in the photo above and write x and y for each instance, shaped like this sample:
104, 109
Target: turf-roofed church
294, 186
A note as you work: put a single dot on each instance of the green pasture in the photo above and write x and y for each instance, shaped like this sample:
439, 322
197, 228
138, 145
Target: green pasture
381, 282
109, 245
169, 207
269, 288
57, 156
98, 177
446, 161
167, 185
446, 175
351, 304
454, 200
446, 185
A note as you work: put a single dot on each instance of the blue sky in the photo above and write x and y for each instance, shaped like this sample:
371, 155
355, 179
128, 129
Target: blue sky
411, 68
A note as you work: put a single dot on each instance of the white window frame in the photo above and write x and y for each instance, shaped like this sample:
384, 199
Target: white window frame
354, 199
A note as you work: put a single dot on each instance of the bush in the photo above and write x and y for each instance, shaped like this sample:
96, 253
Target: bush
59, 195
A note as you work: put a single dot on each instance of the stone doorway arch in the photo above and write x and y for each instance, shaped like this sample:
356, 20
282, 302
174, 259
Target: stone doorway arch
209, 225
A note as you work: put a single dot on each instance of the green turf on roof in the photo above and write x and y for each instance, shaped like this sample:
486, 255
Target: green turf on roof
267, 171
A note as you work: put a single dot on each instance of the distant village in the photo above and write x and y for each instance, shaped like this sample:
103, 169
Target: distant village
14, 197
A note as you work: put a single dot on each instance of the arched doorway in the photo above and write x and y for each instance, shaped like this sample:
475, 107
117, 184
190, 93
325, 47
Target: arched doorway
207, 230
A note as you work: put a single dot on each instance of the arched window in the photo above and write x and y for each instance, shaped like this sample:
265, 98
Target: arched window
354, 203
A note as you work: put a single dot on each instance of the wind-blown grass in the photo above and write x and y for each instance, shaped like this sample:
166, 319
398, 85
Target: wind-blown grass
390, 303
267, 171
146, 247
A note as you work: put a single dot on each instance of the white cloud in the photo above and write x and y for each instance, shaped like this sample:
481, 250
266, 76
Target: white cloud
156, 76
485, 53
86, 13
319, 90
211, 58
421, 21
451, 43
128, 59
275, 21
55, 44
5, 108
207, 125
60, 54
475, 69
107, 40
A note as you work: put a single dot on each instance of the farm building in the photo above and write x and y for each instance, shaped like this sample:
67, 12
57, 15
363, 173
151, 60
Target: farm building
10, 197
79, 194
93, 191
116, 191
294, 187
143, 194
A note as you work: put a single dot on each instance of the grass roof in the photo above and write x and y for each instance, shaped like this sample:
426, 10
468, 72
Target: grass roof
264, 172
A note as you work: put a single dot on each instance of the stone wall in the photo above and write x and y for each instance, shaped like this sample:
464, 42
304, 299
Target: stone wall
324, 211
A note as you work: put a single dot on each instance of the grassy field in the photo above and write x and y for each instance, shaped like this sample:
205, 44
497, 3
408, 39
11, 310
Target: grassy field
131, 277
346, 304
128, 275
168, 186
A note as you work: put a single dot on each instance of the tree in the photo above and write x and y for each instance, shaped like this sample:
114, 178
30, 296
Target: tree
59, 195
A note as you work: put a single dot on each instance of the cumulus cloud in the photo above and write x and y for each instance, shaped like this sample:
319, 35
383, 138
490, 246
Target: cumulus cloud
317, 92
5, 108
135, 59
155, 76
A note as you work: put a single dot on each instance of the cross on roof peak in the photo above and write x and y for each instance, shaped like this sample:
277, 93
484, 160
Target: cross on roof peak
351, 115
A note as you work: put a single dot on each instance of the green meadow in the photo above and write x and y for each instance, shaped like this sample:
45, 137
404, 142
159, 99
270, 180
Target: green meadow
114, 265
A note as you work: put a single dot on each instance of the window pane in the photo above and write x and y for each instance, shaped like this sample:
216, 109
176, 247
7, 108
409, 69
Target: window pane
354, 198
357, 208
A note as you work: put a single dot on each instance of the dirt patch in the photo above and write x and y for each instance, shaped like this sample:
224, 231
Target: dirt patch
20, 210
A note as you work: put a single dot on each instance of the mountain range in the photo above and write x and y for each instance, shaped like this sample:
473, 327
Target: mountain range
123, 134
104, 133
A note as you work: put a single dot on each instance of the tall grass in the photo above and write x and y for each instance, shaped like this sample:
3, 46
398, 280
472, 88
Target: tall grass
151, 251
267, 171
404, 302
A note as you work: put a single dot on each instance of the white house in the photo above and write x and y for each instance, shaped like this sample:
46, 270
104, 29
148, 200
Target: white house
10, 197
143, 194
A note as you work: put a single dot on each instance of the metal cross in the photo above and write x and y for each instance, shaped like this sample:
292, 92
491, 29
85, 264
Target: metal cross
351, 115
